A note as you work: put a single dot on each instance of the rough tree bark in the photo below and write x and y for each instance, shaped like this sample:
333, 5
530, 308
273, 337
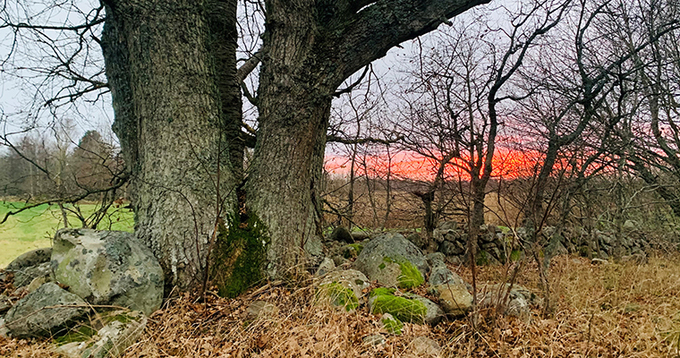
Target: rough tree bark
312, 47
171, 123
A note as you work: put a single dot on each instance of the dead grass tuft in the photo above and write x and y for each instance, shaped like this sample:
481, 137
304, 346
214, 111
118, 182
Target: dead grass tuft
611, 310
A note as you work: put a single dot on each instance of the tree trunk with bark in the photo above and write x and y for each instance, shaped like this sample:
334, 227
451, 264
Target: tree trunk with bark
171, 125
176, 106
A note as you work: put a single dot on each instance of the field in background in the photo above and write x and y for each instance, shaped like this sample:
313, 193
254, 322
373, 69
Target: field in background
35, 227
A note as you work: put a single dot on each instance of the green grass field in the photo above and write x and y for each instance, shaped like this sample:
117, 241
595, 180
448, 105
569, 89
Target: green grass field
35, 227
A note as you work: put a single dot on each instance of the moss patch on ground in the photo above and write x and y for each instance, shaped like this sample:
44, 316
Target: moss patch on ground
402, 308
80, 334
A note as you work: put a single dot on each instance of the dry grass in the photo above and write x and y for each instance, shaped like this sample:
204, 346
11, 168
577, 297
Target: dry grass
600, 311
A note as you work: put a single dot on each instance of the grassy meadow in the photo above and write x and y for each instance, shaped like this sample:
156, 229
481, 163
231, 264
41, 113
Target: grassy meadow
35, 227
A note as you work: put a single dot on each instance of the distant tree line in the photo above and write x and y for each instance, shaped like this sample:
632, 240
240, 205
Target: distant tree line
39, 169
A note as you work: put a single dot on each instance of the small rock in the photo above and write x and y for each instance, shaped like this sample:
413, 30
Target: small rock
262, 309
519, 299
435, 258
5, 304
111, 340
597, 261
639, 258
373, 340
327, 265
417, 240
31, 258
339, 260
441, 275
391, 324
360, 235
425, 347
454, 298
4, 332
452, 248
352, 250
342, 234
343, 288
45, 312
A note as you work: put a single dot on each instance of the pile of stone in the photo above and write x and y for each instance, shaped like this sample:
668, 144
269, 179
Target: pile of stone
90, 292
388, 270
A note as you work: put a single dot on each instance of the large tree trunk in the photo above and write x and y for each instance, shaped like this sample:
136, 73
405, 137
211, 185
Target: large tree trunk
294, 111
169, 121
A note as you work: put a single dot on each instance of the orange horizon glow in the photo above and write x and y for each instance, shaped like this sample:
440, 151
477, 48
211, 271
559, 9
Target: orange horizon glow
507, 163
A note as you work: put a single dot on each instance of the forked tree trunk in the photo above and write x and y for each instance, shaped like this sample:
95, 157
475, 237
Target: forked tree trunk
173, 110
168, 118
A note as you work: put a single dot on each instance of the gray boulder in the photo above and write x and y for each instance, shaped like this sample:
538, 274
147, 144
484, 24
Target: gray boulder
31, 258
45, 312
25, 275
393, 261
327, 265
441, 275
108, 267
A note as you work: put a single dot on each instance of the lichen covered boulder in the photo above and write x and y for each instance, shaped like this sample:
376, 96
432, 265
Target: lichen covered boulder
393, 261
108, 267
405, 307
45, 312
343, 288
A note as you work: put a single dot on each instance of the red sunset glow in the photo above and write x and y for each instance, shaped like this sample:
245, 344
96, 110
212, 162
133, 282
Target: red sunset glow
507, 163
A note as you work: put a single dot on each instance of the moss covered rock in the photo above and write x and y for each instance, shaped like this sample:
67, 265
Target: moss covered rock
343, 288
393, 261
391, 324
404, 307
407, 275
384, 300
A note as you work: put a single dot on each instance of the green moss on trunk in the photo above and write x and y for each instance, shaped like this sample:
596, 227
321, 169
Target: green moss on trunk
239, 255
